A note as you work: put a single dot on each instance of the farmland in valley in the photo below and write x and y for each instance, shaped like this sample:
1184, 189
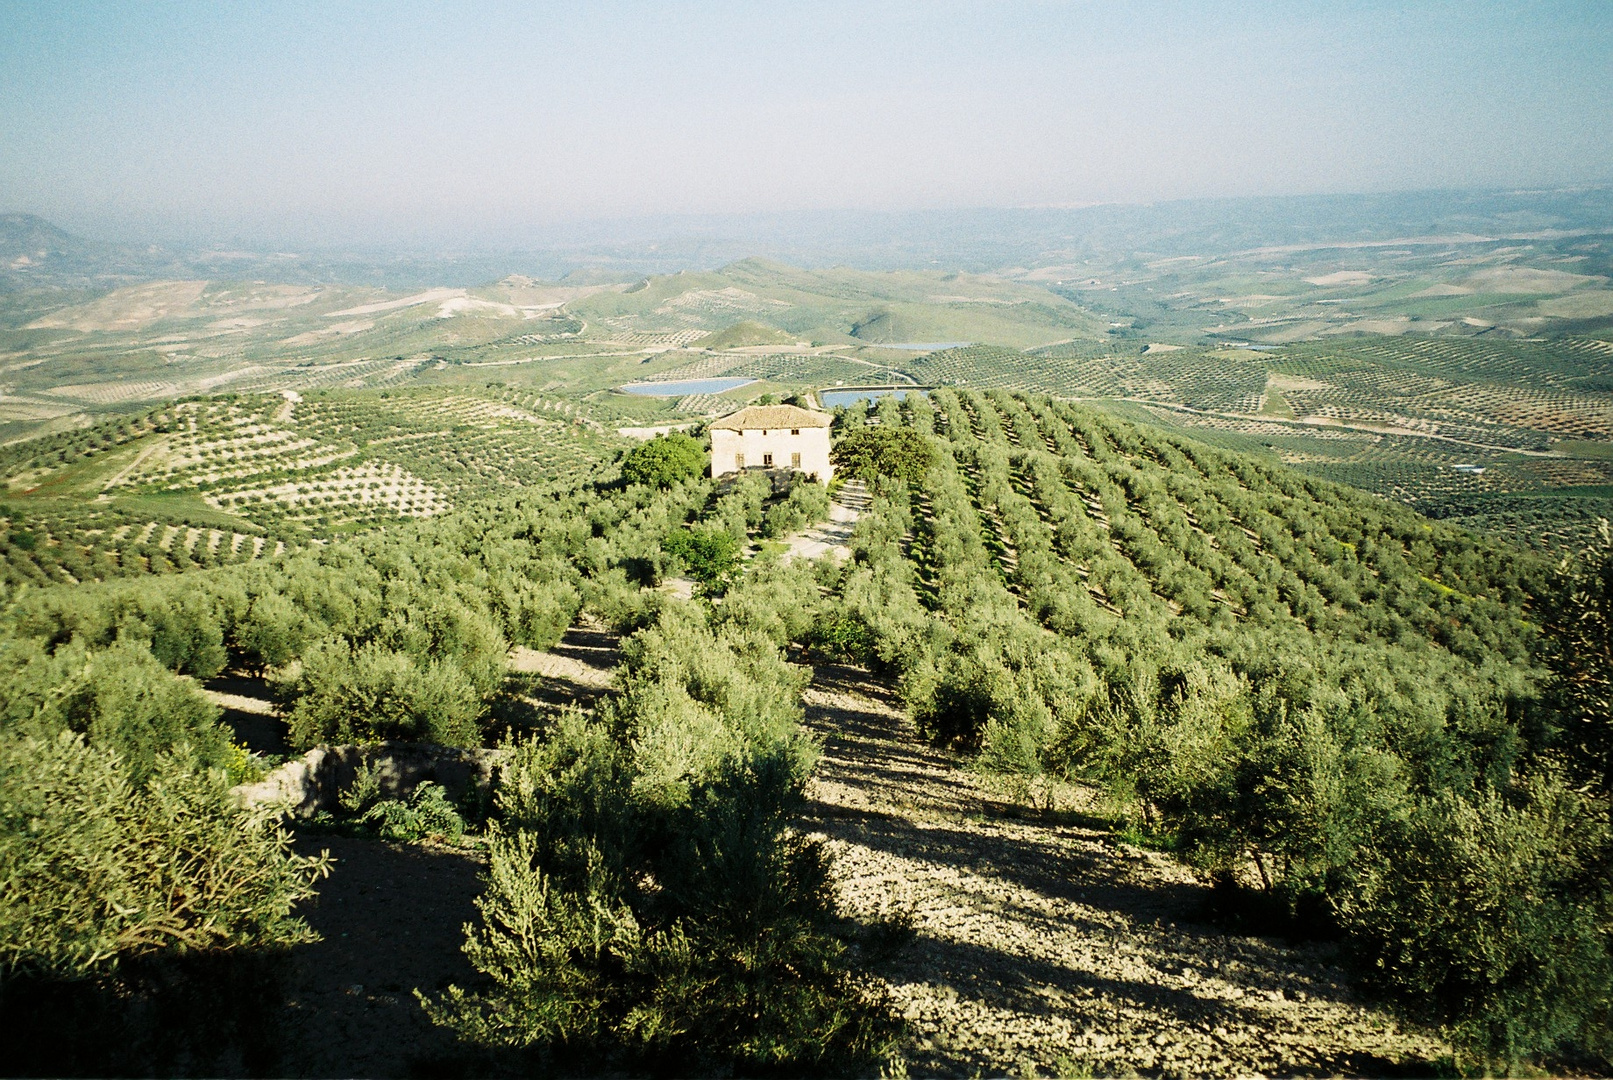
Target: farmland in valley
1466, 372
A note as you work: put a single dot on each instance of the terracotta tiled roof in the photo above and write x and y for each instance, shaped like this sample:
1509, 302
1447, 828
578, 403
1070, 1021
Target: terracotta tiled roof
773, 417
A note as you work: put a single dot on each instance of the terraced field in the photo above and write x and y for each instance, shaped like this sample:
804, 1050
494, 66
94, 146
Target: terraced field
218, 480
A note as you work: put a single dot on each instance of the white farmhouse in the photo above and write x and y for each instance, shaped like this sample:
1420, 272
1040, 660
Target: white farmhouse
772, 437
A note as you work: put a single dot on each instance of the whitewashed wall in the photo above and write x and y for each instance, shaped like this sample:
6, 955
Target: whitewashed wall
812, 444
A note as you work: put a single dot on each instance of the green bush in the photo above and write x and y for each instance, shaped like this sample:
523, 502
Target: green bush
372, 694
843, 637
1577, 617
871, 452
120, 699
96, 869
647, 904
779, 601
806, 503
1493, 918
427, 812
711, 555
664, 461
179, 623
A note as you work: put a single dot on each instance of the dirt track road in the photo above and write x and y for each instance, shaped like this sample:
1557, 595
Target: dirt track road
833, 534
1042, 943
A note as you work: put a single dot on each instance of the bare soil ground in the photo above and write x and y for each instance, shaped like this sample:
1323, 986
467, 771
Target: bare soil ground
833, 534
577, 671
1042, 942
1038, 941
391, 917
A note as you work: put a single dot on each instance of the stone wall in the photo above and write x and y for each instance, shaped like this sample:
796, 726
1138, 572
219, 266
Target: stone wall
315, 781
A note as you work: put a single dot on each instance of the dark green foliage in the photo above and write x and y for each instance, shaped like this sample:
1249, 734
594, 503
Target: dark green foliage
710, 555
647, 906
664, 461
806, 504
1493, 918
844, 638
142, 925
870, 452
1577, 628
120, 699
425, 813
372, 694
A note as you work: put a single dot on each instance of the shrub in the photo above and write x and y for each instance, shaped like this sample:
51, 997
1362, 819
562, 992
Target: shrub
806, 503
647, 905
1578, 636
711, 555
425, 813
372, 694
95, 869
120, 699
844, 638
870, 452
779, 601
1491, 918
664, 461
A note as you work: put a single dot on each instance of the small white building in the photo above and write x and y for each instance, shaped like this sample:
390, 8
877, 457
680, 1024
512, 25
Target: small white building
772, 437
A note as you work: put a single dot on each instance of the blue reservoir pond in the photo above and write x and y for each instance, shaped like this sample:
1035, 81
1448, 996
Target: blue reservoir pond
831, 398
687, 386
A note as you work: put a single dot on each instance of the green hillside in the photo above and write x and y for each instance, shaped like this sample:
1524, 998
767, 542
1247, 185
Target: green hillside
1335, 714
217, 481
744, 334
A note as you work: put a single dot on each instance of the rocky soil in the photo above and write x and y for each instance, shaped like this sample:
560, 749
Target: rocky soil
1039, 941
1010, 939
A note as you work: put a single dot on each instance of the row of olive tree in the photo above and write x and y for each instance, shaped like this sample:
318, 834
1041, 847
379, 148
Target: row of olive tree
1293, 685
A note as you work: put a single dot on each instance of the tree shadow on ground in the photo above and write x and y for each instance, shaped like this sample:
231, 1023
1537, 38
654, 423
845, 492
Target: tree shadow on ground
886, 791
1000, 979
391, 920
211, 1014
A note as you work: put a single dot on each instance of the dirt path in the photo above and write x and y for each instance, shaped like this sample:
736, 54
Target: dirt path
835, 533
140, 459
1049, 944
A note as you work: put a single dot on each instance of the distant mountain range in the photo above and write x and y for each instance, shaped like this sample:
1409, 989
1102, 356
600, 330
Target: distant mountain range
36, 254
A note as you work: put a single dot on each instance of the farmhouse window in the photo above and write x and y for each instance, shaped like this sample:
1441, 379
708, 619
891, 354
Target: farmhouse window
739, 461
795, 461
795, 431
767, 461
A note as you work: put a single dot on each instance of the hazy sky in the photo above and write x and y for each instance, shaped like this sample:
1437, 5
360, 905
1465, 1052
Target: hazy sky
294, 123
